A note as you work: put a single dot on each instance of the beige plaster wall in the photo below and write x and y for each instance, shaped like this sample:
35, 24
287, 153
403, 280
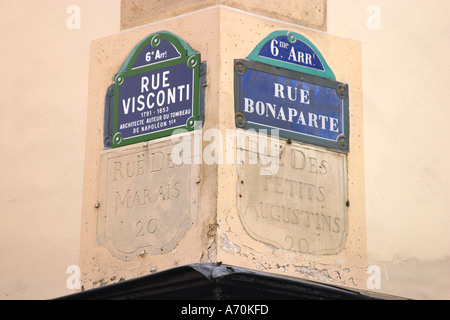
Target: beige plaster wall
406, 136
44, 69
45, 66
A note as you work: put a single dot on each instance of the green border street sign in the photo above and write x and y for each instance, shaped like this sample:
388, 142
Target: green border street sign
156, 91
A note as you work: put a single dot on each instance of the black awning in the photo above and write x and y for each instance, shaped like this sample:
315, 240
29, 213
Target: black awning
216, 281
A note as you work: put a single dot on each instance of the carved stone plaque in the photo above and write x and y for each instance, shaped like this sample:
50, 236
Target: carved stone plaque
302, 206
147, 203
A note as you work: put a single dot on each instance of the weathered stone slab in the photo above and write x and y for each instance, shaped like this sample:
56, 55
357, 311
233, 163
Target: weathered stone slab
302, 206
147, 203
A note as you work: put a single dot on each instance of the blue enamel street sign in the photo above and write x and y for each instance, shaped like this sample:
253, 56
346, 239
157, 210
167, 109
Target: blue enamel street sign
156, 91
303, 107
286, 84
154, 101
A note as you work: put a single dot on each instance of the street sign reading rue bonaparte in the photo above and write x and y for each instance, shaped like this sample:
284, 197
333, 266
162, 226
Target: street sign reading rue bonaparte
156, 91
285, 83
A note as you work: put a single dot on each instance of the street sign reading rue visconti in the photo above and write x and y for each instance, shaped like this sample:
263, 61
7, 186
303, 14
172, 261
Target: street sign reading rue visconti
285, 83
156, 91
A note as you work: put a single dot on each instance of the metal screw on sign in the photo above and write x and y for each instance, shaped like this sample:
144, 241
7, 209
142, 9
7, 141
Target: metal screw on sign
119, 79
190, 123
118, 138
240, 119
342, 91
240, 68
343, 142
192, 61
291, 37
156, 40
